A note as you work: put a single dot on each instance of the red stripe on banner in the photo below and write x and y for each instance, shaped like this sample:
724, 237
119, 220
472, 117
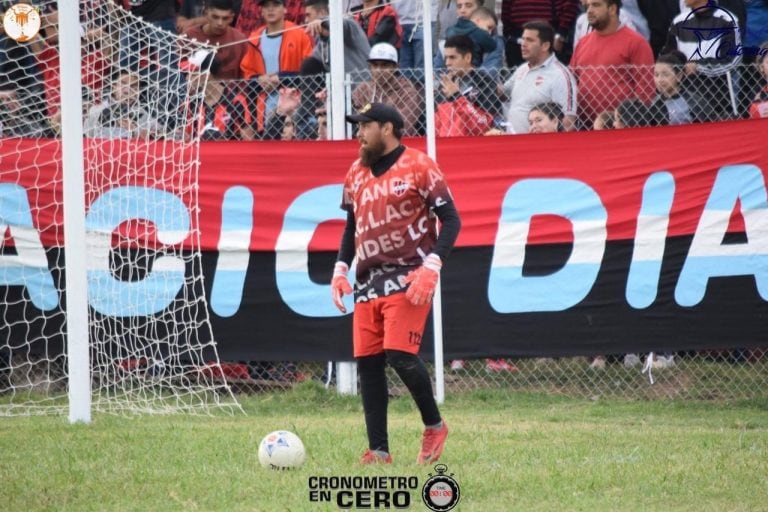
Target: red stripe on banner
480, 170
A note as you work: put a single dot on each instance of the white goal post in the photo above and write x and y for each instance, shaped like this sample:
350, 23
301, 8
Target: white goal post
104, 305
78, 361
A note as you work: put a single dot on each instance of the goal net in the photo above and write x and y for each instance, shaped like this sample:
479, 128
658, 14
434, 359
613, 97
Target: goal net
152, 349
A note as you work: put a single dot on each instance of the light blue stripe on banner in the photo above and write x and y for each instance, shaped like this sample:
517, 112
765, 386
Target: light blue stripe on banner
299, 292
743, 181
309, 299
510, 292
658, 193
643, 283
37, 281
313, 207
644, 274
229, 282
692, 285
121, 204
227, 291
25, 268
124, 299
573, 199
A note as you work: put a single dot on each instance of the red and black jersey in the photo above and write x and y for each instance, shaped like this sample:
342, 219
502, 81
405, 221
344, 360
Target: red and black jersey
225, 119
561, 14
395, 223
381, 24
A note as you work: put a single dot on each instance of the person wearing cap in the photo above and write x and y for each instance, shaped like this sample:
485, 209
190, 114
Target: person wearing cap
275, 50
393, 196
388, 86
356, 46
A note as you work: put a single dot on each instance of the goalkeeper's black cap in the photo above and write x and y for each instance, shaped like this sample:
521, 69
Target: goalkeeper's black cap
379, 112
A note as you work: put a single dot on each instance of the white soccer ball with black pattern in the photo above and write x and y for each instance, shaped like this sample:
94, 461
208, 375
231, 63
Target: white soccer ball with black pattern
281, 449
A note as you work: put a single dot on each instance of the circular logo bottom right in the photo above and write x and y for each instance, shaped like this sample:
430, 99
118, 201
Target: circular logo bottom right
441, 491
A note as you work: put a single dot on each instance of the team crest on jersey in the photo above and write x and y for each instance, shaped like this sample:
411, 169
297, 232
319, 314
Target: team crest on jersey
399, 187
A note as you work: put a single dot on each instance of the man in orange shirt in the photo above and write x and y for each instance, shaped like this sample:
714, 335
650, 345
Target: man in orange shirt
275, 50
249, 15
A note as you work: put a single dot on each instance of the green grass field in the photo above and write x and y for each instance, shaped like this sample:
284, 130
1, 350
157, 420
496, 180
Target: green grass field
507, 451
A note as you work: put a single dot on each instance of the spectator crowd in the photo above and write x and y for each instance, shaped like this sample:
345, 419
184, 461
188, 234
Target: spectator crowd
506, 67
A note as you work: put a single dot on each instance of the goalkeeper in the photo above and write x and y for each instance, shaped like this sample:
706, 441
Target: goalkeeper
393, 196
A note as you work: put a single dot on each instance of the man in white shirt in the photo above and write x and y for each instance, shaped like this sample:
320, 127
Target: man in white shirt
540, 79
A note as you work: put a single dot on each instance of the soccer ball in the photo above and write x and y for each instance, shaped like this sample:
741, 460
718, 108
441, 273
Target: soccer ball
281, 450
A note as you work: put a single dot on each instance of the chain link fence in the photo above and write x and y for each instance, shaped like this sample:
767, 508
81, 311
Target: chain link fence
705, 375
482, 103
727, 375
471, 103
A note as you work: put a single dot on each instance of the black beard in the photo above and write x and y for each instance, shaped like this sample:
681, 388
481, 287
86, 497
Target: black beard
599, 24
372, 154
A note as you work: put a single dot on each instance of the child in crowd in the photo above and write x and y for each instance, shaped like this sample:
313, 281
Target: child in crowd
603, 120
483, 42
672, 105
759, 106
492, 61
546, 118
122, 114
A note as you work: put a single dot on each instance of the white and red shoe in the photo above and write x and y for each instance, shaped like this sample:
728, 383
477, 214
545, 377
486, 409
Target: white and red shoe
432, 444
